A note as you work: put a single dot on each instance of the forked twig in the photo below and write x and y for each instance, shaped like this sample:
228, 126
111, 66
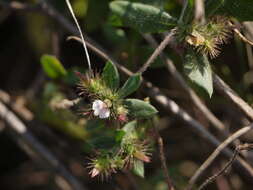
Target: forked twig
228, 164
217, 151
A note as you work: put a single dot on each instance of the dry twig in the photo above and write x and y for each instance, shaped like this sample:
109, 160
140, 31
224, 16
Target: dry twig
158, 51
217, 151
228, 164
228, 93
163, 158
34, 148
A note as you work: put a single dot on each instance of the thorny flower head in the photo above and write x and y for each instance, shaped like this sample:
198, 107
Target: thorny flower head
104, 166
105, 101
134, 149
207, 38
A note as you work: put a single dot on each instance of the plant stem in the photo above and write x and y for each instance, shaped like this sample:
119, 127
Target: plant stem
162, 157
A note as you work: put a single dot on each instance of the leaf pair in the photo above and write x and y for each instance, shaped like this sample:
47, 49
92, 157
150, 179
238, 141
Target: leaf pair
137, 108
111, 78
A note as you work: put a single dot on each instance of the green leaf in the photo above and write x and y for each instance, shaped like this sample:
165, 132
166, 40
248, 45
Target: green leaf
142, 17
138, 168
129, 128
110, 76
240, 9
198, 69
130, 86
139, 108
52, 66
119, 135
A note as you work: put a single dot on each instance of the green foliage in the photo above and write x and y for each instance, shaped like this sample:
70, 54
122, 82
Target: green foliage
52, 67
198, 69
142, 17
140, 109
130, 131
110, 76
130, 86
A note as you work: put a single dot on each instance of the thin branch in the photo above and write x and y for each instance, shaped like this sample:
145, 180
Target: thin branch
217, 151
200, 11
65, 103
183, 11
227, 165
163, 157
228, 93
242, 37
33, 147
158, 51
17, 6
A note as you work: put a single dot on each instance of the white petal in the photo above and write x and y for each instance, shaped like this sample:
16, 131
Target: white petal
97, 104
96, 112
104, 113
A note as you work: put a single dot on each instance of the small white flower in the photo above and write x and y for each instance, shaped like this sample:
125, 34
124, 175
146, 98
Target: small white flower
100, 109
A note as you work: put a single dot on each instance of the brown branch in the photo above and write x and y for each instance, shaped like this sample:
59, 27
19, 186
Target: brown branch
217, 151
163, 158
242, 37
158, 51
34, 148
200, 11
17, 6
228, 93
228, 165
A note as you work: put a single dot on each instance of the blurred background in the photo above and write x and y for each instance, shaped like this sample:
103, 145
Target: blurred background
28, 31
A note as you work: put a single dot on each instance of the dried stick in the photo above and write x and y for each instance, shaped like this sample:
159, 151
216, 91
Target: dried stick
228, 164
217, 151
242, 37
158, 51
200, 11
33, 147
228, 93
163, 157
154, 92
